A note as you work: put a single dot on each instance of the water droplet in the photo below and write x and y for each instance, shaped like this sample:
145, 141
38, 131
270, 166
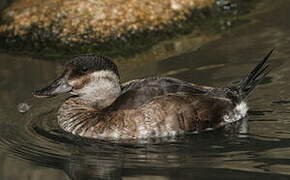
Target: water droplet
23, 107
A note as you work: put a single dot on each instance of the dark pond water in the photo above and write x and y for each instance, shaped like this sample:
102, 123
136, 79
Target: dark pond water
32, 146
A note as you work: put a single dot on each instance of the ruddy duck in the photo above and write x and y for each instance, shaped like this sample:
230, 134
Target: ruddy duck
103, 108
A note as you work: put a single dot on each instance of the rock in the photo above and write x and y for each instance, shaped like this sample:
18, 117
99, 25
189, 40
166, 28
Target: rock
82, 26
71, 21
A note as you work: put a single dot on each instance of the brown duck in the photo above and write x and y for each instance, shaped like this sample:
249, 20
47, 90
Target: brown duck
103, 108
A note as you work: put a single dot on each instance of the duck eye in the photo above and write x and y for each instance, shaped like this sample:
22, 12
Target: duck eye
84, 69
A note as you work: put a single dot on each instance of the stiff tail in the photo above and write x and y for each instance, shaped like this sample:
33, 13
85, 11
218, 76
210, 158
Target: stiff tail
248, 84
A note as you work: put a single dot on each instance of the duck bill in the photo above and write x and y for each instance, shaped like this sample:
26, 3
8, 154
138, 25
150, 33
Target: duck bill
58, 86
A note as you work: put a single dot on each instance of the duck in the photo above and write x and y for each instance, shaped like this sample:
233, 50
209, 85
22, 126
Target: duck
101, 107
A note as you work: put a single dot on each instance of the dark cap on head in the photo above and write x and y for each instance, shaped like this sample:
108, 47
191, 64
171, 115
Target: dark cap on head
88, 63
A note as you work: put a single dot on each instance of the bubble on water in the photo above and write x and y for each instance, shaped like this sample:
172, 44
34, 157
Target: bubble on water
23, 107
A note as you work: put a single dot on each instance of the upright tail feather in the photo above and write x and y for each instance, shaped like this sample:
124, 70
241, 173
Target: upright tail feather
248, 84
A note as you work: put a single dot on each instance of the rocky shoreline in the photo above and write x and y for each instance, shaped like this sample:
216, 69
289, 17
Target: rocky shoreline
84, 26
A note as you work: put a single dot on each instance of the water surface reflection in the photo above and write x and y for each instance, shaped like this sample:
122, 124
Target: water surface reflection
258, 149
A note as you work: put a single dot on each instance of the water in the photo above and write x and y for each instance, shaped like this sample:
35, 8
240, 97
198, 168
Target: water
33, 147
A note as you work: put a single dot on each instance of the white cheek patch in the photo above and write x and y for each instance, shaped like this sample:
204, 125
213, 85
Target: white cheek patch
100, 85
98, 88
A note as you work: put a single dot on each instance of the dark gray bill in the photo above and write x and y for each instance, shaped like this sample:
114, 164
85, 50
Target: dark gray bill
56, 87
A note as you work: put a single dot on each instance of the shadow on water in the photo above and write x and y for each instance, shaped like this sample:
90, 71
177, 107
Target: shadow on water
257, 149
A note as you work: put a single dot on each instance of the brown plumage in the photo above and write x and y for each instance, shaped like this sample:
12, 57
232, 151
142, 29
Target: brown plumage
152, 107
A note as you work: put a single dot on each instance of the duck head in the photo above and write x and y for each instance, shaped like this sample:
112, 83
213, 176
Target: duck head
94, 79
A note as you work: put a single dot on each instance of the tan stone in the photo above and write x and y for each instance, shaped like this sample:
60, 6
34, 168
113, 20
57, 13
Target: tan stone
70, 19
